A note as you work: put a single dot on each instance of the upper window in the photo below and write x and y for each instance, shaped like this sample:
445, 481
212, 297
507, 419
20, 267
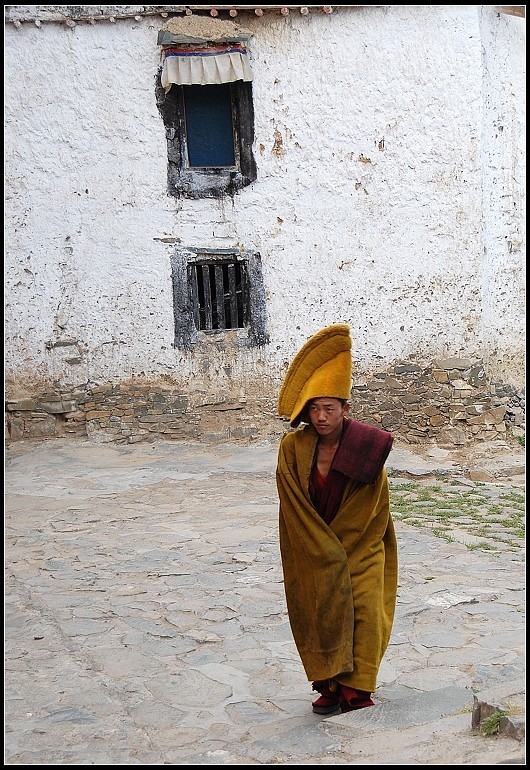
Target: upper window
205, 98
209, 126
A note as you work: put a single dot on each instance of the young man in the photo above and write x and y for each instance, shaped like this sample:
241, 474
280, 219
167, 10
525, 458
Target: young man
337, 539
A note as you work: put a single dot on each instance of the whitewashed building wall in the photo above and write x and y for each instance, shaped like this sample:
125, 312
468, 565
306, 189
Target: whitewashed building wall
389, 195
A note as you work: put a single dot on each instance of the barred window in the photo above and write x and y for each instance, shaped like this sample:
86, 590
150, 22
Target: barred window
218, 292
219, 295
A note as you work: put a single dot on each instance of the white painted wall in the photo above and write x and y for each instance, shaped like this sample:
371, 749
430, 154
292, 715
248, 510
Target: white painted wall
386, 196
504, 170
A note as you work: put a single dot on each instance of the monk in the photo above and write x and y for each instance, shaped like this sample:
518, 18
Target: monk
337, 539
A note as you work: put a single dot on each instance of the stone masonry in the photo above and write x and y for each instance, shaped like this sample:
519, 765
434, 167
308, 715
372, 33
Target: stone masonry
451, 402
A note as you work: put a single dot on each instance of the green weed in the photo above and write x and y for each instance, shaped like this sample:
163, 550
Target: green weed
490, 725
442, 507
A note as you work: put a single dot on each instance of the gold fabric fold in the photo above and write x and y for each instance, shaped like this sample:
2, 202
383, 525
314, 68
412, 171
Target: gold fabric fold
340, 579
322, 367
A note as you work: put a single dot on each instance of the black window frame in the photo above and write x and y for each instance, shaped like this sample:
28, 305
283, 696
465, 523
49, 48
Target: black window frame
184, 181
188, 334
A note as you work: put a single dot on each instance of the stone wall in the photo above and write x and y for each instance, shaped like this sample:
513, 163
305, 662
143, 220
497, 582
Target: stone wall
389, 143
451, 402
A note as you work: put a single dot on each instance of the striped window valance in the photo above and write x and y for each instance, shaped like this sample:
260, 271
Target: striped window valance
205, 64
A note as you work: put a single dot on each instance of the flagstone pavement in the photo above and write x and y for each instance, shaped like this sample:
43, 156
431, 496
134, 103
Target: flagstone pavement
145, 619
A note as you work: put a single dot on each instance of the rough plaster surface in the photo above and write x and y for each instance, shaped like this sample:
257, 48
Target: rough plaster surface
389, 196
204, 27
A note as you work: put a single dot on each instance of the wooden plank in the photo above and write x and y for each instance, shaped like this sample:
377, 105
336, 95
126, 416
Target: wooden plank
208, 320
512, 10
220, 297
233, 296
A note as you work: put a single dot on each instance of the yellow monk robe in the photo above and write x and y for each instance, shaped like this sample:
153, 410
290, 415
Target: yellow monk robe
340, 579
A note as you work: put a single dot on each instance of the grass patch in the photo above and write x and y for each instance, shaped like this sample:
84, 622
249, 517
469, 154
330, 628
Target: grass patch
514, 496
490, 725
452, 506
483, 546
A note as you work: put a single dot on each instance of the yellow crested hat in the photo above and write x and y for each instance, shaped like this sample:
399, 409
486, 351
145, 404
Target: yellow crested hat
322, 367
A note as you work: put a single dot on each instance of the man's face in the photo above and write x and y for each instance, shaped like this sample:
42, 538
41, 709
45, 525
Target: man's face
326, 414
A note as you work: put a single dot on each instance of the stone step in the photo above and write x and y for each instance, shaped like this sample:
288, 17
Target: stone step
416, 709
507, 698
438, 726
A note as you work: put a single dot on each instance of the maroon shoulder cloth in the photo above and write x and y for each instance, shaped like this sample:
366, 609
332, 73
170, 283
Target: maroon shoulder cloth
360, 456
362, 451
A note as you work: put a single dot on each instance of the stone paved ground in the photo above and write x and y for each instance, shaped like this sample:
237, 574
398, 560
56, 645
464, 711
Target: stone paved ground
145, 620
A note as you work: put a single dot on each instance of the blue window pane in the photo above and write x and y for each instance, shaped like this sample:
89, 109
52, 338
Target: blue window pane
209, 130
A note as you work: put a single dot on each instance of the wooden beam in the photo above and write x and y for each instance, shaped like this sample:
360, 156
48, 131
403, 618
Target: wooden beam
512, 10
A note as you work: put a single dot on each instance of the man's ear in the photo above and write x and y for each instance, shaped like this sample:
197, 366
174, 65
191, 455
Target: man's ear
346, 407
